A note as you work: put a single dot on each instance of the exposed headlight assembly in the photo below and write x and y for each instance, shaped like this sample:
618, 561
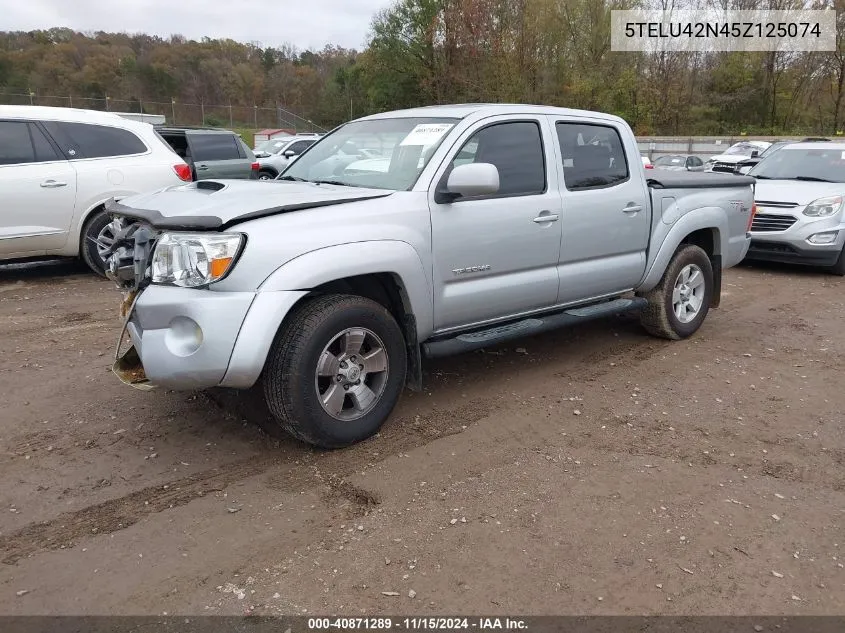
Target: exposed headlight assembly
824, 207
192, 260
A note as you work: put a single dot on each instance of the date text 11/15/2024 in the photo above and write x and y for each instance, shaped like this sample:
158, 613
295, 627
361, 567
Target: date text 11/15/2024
417, 623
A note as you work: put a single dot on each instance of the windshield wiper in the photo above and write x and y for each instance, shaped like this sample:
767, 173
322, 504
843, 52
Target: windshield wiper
810, 179
760, 177
292, 178
333, 182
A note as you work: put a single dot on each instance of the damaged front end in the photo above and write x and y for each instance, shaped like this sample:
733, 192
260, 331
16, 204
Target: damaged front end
127, 264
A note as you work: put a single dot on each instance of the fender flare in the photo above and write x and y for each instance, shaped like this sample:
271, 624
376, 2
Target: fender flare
395, 257
713, 218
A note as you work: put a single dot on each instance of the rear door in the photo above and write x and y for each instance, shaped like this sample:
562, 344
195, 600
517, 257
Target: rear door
606, 209
37, 191
218, 155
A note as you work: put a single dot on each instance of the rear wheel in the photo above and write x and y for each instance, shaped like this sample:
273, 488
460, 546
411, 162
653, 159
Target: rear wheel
335, 371
266, 175
679, 304
98, 234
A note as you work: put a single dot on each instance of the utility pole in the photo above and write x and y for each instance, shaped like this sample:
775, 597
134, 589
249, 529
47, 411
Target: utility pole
255, 108
231, 123
202, 110
173, 109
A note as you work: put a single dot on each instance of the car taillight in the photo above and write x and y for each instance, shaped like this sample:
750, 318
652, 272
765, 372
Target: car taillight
256, 166
184, 172
649, 166
751, 217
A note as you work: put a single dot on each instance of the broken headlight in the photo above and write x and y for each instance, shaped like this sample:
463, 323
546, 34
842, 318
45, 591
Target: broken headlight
191, 260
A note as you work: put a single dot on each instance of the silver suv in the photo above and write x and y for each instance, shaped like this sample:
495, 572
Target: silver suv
275, 158
800, 197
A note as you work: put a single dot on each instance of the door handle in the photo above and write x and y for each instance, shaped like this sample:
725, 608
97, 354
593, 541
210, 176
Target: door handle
548, 217
53, 184
202, 168
631, 209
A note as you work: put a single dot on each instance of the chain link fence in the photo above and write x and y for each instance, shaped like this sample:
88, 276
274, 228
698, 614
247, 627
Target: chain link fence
255, 117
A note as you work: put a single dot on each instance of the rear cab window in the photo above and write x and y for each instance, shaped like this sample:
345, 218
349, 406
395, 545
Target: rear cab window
215, 147
593, 155
86, 140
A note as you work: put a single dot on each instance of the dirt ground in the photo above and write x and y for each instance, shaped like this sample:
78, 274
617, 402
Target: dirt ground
589, 471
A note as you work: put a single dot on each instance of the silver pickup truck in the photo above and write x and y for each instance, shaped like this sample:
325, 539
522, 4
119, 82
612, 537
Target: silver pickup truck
326, 288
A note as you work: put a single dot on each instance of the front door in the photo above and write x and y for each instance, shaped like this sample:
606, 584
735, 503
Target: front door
606, 210
38, 191
496, 256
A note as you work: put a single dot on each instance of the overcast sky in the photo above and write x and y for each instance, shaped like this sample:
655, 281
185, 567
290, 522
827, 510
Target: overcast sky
303, 23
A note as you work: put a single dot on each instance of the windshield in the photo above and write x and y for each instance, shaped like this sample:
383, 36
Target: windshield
794, 163
742, 149
273, 145
670, 161
379, 153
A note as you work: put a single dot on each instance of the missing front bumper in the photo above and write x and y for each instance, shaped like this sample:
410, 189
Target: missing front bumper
130, 370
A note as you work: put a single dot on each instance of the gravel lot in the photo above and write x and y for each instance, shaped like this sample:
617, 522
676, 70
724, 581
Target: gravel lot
594, 470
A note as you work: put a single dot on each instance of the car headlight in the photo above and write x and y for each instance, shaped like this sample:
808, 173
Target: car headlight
194, 259
824, 207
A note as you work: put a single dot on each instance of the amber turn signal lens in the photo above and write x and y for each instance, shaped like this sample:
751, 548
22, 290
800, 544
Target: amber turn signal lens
219, 267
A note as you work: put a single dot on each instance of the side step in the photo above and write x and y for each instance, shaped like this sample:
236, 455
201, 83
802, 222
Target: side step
501, 333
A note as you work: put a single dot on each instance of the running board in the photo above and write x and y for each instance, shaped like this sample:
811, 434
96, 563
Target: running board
527, 327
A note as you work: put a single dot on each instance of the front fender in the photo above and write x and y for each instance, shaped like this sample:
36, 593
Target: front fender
702, 218
332, 263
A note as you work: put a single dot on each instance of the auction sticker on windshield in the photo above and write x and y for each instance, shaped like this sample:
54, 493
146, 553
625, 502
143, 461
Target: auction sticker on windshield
426, 134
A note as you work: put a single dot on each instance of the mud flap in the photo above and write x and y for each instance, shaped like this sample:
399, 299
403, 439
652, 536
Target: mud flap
130, 370
716, 299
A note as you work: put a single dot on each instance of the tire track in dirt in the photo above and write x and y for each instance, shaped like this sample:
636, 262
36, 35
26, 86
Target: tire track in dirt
122, 512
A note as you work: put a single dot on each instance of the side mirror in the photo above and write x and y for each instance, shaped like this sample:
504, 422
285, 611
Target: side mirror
472, 179
289, 152
754, 153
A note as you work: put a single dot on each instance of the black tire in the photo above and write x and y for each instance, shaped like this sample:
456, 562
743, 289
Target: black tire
266, 174
838, 268
88, 246
289, 381
659, 318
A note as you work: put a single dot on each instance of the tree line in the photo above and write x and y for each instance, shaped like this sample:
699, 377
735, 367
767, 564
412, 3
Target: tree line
421, 52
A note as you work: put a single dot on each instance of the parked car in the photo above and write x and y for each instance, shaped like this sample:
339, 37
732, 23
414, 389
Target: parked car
679, 162
745, 165
212, 153
265, 148
58, 167
800, 194
273, 159
727, 161
325, 293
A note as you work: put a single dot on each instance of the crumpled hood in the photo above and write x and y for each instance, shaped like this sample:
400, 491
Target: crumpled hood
797, 191
214, 204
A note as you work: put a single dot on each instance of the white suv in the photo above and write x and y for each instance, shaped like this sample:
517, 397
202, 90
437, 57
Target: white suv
58, 167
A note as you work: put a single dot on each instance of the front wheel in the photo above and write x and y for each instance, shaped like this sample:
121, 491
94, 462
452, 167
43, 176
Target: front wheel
838, 268
335, 371
679, 304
